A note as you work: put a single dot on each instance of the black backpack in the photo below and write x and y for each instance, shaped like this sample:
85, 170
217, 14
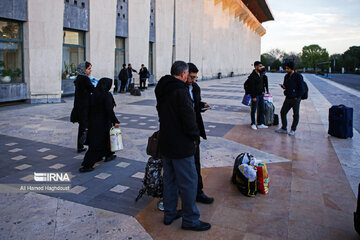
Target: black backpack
244, 185
153, 179
306, 91
135, 92
357, 214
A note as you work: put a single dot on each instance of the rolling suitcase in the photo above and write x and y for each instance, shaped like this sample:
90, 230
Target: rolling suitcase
341, 121
269, 110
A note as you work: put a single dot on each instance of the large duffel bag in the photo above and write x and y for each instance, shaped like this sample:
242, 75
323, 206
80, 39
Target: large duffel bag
135, 92
341, 121
240, 176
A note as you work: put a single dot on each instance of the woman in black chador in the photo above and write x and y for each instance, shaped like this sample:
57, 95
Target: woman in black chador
101, 119
83, 90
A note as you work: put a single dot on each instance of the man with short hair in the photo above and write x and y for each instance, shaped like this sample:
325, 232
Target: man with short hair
130, 74
293, 90
123, 77
195, 94
255, 87
143, 72
178, 136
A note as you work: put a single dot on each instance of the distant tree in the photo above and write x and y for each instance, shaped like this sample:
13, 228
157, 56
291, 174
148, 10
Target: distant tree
276, 64
314, 56
337, 62
293, 57
267, 59
351, 58
277, 53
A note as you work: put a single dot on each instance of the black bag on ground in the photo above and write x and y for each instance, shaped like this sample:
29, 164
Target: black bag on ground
135, 92
153, 146
357, 214
131, 87
306, 91
276, 120
153, 179
244, 185
341, 121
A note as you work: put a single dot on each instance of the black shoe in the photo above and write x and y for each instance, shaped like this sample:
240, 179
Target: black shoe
82, 150
204, 199
108, 159
83, 169
178, 215
201, 226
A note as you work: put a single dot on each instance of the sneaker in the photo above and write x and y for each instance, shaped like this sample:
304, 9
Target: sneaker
253, 126
291, 133
262, 126
280, 130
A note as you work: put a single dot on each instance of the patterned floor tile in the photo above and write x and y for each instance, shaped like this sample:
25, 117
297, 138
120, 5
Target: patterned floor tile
23, 167
123, 164
11, 144
17, 158
119, 189
77, 189
43, 150
139, 175
15, 150
57, 166
103, 175
49, 157
27, 178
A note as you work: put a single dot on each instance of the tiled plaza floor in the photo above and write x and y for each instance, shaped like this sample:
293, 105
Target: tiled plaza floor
313, 177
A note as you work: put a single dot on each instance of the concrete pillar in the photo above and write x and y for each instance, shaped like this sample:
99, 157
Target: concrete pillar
43, 39
183, 13
196, 35
164, 37
100, 40
139, 27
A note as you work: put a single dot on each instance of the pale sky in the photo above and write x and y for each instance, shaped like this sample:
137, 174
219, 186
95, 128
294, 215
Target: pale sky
333, 24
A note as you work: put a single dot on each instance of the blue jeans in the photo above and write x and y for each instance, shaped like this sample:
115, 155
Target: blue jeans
260, 105
128, 83
180, 176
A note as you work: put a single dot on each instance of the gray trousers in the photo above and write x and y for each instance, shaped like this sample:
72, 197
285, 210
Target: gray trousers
180, 176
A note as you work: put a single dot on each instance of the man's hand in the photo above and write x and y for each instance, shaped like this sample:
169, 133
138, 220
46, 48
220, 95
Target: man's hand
117, 125
206, 105
282, 86
254, 99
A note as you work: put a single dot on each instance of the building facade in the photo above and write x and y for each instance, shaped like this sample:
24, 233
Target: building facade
42, 41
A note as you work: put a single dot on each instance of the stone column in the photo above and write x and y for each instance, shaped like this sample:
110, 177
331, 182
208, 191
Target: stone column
100, 40
43, 39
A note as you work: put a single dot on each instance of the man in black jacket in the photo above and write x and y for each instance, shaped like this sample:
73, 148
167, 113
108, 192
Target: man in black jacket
178, 136
143, 72
130, 75
293, 90
255, 87
195, 94
123, 77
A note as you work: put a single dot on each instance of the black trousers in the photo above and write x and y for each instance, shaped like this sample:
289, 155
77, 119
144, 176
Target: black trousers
80, 131
91, 157
123, 85
287, 105
142, 83
198, 169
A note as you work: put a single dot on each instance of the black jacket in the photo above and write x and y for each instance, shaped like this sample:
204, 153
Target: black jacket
266, 82
255, 85
123, 75
130, 71
83, 90
143, 73
198, 105
293, 84
178, 128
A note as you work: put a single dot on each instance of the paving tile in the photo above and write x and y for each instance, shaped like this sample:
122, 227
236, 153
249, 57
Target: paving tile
143, 117
15, 150
23, 167
79, 157
57, 166
103, 175
153, 127
11, 144
119, 189
77, 189
123, 124
142, 124
133, 120
27, 178
49, 157
123, 164
139, 175
43, 150
17, 158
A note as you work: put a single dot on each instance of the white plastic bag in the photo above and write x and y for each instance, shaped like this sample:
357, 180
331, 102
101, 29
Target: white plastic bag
116, 143
248, 171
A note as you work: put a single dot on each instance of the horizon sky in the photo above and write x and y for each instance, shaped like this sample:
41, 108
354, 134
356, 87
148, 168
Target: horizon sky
332, 24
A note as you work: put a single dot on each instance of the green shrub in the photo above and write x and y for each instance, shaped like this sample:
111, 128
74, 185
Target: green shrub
320, 73
357, 71
273, 70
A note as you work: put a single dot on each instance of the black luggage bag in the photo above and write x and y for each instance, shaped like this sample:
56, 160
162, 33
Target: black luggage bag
341, 121
357, 214
135, 92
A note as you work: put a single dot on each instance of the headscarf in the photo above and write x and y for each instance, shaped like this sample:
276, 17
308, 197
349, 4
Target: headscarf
81, 69
102, 88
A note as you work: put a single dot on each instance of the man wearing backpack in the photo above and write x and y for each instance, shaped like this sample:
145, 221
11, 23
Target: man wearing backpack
293, 90
199, 107
178, 136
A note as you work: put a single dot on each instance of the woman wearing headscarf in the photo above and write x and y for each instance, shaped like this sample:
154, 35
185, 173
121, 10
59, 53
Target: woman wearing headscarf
101, 119
83, 90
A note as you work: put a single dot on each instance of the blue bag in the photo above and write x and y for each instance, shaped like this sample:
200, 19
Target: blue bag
246, 100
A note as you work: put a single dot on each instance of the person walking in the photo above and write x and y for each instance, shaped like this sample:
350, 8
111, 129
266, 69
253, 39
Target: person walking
255, 87
179, 133
130, 75
293, 90
143, 72
101, 119
123, 77
195, 94
80, 112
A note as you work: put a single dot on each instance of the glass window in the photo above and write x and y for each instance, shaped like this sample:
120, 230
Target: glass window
119, 55
11, 68
151, 58
73, 53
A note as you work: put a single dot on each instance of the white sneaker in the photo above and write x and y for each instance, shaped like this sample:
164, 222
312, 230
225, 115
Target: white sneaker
291, 133
262, 126
280, 130
253, 126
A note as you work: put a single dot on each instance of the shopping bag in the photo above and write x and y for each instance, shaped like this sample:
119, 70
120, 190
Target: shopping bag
246, 100
116, 143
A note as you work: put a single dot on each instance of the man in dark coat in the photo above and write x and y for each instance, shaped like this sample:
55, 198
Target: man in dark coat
255, 87
101, 119
143, 72
178, 136
83, 90
123, 77
199, 107
293, 90
130, 75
